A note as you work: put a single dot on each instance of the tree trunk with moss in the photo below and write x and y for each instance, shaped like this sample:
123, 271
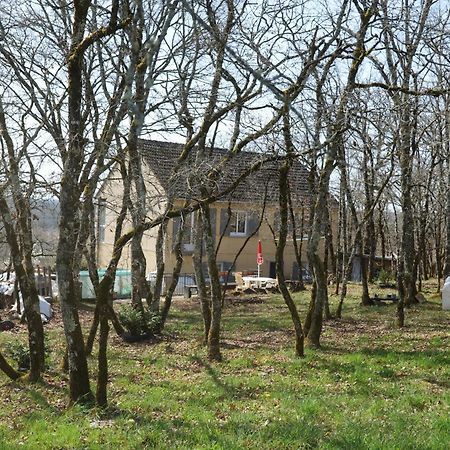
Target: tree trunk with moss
19, 237
25, 276
202, 293
175, 276
101, 395
8, 370
214, 353
160, 265
69, 201
279, 257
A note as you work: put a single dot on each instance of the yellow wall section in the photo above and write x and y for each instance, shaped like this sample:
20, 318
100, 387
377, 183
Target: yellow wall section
112, 192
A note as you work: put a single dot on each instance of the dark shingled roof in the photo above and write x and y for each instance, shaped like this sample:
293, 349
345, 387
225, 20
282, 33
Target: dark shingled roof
161, 158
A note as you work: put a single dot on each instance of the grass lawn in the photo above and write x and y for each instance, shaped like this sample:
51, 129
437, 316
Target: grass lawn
372, 386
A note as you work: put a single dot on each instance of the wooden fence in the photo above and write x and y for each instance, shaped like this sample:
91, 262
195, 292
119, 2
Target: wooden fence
44, 281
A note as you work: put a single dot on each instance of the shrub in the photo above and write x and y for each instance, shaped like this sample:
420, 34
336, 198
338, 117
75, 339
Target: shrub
152, 320
20, 353
137, 322
385, 276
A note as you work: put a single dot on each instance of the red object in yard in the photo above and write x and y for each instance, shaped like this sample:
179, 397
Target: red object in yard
259, 258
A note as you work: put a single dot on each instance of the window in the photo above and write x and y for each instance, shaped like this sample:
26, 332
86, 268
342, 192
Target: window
101, 220
238, 223
190, 230
189, 233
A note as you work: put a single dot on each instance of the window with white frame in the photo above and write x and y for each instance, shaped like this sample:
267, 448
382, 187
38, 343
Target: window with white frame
189, 232
101, 220
238, 223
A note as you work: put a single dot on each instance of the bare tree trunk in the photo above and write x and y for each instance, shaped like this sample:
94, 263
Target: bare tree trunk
382, 237
197, 257
407, 246
138, 269
400, 62
370, 238
25, 277
214, 353
308, 318
102, 377
175, 275
329, 243
446, 270
69, 293
93, 331
21, 247
365, 297
401, 291
279, 256
7, 369
337, 130
160, 266
342, 238
298, 248
329, 255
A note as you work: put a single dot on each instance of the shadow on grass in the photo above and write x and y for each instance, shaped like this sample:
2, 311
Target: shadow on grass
38, 402
255, 323
230, 391
387, 364
437, 357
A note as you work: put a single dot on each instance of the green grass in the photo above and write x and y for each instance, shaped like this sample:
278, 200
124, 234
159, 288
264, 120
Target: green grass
371, 386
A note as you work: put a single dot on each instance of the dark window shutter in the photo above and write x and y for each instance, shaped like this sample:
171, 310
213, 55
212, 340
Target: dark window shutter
224, 229
295, 271
252, 223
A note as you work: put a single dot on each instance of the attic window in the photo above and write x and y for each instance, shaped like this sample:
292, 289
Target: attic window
238, 224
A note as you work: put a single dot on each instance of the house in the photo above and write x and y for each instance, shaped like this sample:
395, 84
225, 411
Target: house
245, 204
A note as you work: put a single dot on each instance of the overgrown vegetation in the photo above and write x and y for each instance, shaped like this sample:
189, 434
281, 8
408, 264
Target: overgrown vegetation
19, 351
372, 386
385, 277
138, 322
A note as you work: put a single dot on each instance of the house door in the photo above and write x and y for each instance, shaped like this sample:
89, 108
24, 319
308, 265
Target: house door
272, 269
